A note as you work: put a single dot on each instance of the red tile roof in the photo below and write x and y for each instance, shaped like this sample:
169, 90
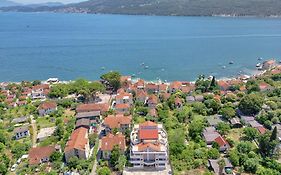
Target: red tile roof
77, 140
109, 141
144, 146
176, 85
115, 121
102, 107
122, 106
261, 129
48, 105
38, 153
152, 99
122, 95
148, 131
41, 86
220, 140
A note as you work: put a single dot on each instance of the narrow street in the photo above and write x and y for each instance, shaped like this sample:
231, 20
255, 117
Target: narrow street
34, 130
96, 160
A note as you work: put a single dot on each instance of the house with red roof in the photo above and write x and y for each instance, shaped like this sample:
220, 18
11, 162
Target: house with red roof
151, 88
108, 142
175, 86
40, 91
141, 96
38, 155
119, 121
78, 145
149, 146
124, 98
152, 101
265, 87
122, 108
46, 108
223, 144
92, 109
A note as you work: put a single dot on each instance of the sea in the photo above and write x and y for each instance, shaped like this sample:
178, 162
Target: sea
70, 46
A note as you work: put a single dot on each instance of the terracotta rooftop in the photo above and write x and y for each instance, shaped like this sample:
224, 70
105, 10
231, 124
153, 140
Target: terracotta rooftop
41, 86
143, 146
115, 121
77, 140
123, 95
36, 154
109, 141
122, 106
175, 85
102, 107
220, 140
48, 105
148, 131
152, 99
141, 94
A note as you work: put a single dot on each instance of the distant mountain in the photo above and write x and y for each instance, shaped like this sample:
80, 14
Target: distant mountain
7, 3
169, 7
48, 4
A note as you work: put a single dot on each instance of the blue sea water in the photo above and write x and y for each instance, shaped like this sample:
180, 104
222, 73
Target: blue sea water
69, 46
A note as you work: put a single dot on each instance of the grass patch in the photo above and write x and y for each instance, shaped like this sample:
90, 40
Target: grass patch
44, 122
235, 134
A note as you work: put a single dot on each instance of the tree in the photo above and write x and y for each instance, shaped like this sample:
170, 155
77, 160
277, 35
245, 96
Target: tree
115, 154
56, 156
251, 104
252, 86
273, 136
250, 133
223, 128
112, 79
104, 171
266, 145
227, 112
244, 147
212, 104
73, 162
92, 138
195, 129
213, 84
213, 153
121, 163
251, 165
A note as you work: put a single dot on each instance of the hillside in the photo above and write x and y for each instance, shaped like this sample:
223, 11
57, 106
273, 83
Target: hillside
175, 7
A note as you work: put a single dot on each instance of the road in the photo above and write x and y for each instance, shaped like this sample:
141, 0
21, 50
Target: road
94, 169
34, 130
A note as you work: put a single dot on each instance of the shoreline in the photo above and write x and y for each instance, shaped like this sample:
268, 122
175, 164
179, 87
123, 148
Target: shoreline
151, 15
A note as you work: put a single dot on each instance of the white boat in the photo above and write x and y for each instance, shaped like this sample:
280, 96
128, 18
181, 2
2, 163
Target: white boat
258, 65
231, 62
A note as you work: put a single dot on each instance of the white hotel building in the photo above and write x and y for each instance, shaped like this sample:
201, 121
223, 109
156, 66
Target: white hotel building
149, 146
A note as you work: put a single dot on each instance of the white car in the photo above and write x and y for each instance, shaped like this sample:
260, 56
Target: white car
14, 167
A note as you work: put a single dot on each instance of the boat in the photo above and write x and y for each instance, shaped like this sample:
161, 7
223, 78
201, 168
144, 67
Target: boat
102, 68
223, 67
258, 65
142, 64
231, 62
260, 58
146, 67
133, 75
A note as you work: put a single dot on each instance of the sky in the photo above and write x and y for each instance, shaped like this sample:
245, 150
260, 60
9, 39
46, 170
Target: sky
42, 1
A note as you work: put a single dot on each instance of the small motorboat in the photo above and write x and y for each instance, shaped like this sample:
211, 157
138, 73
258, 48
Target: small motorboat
146, 67
260, 58
223, 67
231, 62
102, 68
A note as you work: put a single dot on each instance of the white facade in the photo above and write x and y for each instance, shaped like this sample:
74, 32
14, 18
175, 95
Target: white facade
149, 153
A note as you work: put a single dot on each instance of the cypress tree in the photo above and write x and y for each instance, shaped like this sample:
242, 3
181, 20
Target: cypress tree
274, 134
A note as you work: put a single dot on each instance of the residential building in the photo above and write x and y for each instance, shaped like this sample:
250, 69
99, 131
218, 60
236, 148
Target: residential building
120, 122
223, 145
268, 64
122, 108
141, 96
21, 132
124, 98
151, 88
40, 155
152, 101
108, 142
149, 146
40, 91
209, 135
214, 165
100, 108
78, 144
46, 108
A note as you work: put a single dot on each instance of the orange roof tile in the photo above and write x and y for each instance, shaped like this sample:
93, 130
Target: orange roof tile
109, 141
38, 153
115, 121
48, 105
77, 140
144, 146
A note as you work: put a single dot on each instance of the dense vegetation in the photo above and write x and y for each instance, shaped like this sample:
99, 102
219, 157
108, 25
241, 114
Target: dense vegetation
168, 7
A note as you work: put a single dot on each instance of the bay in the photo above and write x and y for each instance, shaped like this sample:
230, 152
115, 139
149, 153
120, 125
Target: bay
69, 46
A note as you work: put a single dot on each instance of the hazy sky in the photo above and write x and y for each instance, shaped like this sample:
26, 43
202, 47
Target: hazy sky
42, 1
